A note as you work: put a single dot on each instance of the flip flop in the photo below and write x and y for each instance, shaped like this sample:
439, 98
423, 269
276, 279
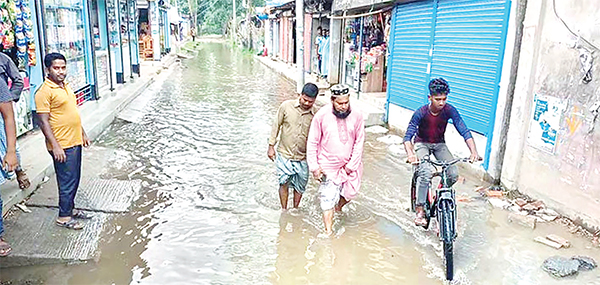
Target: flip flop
23, 180
81, 215
71, 224
5, 248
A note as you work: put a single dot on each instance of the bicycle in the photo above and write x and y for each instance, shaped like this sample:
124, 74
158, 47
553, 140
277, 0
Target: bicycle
441, 205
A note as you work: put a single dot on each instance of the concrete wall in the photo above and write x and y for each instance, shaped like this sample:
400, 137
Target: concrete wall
567, 177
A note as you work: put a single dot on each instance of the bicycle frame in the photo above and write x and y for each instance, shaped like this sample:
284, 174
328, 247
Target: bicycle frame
442, 206
445, 196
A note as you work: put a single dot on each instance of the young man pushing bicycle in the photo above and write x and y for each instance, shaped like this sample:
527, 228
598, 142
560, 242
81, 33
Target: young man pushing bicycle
428, 126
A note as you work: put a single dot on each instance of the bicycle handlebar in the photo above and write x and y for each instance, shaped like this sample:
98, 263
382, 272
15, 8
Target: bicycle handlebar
444, 163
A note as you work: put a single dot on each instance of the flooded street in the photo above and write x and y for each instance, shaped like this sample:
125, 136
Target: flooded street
209, 213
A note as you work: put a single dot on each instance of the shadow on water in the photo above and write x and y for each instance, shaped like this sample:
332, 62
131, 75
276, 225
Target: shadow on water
209, 209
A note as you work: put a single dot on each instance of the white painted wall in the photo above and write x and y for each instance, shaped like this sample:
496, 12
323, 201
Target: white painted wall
569, 178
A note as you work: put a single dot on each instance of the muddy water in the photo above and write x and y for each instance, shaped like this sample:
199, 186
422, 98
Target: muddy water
209, 211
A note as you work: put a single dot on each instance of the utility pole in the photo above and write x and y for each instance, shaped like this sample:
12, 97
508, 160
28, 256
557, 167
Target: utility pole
300, 44
233, 25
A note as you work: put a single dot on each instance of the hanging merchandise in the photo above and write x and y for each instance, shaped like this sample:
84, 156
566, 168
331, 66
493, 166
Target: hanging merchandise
6, 30
16, 32
366, 48
17, 41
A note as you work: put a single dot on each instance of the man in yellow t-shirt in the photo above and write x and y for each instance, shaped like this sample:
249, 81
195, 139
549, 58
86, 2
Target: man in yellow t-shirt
60, 122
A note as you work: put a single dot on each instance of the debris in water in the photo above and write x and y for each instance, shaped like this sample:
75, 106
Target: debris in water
548, 242
391, 139
493, 193
559, 266
585, 263
376, 130
520, 202
498, 203
562, 241
527, 221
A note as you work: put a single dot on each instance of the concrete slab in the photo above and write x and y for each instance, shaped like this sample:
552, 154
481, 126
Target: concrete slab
94, 194
36, 239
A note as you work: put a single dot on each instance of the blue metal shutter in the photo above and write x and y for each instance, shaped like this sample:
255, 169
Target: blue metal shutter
411, 43
468, 50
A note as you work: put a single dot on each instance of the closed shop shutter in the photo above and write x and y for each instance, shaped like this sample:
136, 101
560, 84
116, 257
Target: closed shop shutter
411, 42
468, 50
459, 40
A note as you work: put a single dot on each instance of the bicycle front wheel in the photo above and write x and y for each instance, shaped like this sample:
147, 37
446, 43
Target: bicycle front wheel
447, 234
448, 255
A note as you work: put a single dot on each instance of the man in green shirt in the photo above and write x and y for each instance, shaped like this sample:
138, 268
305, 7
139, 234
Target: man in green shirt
291, 126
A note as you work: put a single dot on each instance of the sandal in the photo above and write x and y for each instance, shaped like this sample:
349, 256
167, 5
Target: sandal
81, 215
5, 248
23, 180
420, 219
71, 224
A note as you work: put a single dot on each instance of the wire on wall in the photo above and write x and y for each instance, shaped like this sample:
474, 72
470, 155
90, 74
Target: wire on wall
571, 31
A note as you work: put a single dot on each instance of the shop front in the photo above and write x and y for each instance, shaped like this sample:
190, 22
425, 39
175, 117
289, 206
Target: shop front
103, 58
67, 31
319, 23
17, 35
364, 52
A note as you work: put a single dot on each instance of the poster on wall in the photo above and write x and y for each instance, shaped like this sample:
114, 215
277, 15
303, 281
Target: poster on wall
545, 122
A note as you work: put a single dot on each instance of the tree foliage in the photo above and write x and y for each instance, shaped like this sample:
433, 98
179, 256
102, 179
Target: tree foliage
213, 16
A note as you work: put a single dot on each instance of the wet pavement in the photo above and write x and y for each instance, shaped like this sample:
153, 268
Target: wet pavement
208, 209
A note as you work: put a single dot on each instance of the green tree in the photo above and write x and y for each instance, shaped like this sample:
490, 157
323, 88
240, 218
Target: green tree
213, 16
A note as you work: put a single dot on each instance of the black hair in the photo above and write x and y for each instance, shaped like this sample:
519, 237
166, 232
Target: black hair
310, 90
438, 86
51, 57
319, 28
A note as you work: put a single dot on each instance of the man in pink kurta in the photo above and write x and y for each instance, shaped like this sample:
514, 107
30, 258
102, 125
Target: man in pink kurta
334, 152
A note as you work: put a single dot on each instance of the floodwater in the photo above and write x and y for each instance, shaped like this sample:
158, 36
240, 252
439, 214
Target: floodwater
209, 209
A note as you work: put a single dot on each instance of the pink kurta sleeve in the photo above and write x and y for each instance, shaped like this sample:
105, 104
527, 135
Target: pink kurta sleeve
357, 150
313, 142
